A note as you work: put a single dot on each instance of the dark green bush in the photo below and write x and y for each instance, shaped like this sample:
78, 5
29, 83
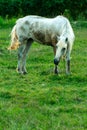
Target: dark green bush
76, 8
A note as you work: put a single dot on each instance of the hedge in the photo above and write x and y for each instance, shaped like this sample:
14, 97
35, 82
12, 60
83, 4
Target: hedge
72, 8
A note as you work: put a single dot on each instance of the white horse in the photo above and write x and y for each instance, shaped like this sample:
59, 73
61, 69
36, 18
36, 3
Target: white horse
56, 32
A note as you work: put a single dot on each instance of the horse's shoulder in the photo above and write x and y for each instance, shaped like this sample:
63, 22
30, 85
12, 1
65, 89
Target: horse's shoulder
61, 17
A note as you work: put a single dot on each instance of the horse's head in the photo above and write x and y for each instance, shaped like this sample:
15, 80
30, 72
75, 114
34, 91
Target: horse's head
61, 48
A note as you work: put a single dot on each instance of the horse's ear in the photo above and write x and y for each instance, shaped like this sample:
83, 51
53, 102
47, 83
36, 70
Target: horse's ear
66, 40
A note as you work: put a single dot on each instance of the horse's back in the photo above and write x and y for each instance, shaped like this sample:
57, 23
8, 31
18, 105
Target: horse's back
56, 23
30, 18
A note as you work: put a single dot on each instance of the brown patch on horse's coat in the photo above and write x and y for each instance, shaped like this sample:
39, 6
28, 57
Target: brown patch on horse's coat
39, 36
22, 28
54, 40
26, 22
45, 38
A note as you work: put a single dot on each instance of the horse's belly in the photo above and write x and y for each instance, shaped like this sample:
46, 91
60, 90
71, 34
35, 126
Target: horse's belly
44, 38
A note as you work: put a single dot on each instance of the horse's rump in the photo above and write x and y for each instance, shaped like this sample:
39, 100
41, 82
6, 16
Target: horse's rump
14, 39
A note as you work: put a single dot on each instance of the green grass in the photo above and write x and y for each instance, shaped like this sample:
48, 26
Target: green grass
42, 100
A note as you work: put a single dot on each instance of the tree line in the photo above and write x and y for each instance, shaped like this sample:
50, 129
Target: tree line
72, 8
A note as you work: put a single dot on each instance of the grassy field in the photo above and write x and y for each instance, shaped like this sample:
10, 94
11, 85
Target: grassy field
42, 100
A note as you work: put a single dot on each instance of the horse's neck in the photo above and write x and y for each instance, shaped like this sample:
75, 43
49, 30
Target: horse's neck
64, 31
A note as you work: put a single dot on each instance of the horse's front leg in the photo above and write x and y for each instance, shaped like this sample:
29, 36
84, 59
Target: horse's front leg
68, 62
67, 66
56, 66
56, 69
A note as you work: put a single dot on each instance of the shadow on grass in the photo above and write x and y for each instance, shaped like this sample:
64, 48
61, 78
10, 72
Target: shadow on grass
6, 95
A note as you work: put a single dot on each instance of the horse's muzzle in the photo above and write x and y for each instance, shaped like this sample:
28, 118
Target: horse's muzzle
56, 62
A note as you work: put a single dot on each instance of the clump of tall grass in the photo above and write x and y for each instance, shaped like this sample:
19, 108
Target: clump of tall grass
1, 21
6, 22
79, 24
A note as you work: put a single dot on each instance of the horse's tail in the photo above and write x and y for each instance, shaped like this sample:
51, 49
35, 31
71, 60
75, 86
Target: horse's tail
14, 40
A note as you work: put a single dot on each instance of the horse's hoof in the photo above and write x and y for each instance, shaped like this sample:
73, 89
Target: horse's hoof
25, 72
18, 70
56, 72
21, 71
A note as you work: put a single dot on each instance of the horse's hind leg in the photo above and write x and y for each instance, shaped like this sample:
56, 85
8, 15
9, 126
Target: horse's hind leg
20, 54
25, 52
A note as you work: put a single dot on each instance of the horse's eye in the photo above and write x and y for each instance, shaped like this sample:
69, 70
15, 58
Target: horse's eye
63, 49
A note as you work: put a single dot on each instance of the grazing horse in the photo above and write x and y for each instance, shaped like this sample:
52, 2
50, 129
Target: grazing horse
56, 32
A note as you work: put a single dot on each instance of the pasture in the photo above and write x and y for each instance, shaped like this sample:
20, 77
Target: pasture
42, 100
